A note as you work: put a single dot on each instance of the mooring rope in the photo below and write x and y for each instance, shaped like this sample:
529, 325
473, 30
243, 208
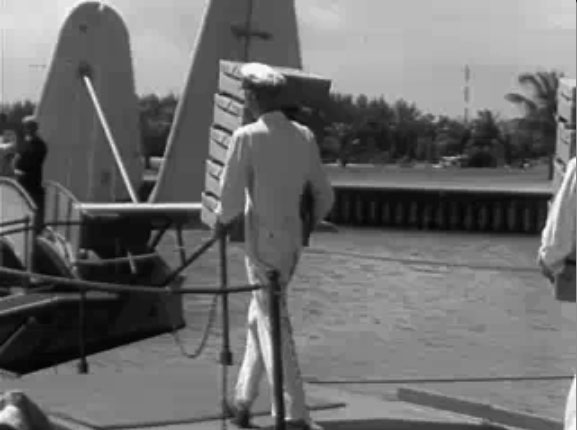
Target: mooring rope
400, 381
421, 262
197, 352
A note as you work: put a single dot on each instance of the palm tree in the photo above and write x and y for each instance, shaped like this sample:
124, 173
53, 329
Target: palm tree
539, 105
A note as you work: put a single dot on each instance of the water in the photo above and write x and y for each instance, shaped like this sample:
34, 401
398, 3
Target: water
373, 318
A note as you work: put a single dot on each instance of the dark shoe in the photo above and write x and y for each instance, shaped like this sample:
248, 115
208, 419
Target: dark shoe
303, 425
240, 416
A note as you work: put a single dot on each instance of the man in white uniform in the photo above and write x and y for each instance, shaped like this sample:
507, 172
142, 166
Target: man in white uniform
557, 259
270, 162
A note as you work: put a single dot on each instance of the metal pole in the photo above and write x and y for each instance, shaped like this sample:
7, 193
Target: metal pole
2, 64
276, 341
226, 358
82, 361
28, 254
84, 73
180, 243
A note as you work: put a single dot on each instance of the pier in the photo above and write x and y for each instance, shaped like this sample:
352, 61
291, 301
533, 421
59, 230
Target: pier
424, 198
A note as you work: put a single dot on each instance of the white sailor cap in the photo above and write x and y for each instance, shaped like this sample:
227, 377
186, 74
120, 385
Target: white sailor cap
30, 119
257, 75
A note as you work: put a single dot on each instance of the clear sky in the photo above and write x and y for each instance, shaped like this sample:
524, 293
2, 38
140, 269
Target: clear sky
415, 49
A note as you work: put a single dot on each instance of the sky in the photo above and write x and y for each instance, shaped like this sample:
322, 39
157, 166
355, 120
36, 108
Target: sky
414, 49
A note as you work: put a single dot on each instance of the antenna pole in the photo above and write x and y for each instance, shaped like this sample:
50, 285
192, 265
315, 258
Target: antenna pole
467, 91
2, 54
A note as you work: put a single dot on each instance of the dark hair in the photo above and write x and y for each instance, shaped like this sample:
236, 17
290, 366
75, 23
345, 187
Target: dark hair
266, 98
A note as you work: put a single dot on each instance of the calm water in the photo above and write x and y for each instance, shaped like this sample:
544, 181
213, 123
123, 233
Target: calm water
368, 316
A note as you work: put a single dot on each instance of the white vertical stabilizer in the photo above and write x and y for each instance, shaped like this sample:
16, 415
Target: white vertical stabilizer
239, 30
79, 156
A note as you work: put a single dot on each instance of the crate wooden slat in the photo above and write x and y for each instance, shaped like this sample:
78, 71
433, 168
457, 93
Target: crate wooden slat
213, 168
220, 136
558, 173
565, 145
565, 149
217, 152
229, 114
208, 213
212, 185
567, 88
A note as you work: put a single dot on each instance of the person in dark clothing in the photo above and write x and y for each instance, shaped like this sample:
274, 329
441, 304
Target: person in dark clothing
29, 164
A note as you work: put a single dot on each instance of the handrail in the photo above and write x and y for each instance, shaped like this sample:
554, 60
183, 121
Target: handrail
84, 74
119, 260
61, 189
120, 288
20, 190
274, 289
17, 221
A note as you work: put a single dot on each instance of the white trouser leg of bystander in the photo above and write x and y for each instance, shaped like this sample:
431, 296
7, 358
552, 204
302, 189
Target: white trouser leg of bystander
570, 409
252, 368
569, 312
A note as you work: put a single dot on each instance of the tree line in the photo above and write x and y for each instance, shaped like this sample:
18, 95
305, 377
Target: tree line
363, 129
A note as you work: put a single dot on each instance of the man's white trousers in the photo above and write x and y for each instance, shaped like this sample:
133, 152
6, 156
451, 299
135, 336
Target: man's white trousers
570, 409
258, 353
569, 312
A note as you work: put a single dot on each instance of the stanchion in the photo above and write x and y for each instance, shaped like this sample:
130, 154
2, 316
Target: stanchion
226, 354
82, 361
275, 297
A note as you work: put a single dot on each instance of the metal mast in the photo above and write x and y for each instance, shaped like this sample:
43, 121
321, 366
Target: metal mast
2, 57
467, 92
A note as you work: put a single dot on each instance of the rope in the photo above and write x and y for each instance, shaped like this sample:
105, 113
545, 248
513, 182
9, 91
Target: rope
120, 288
412, 261
197, 352
436, 380
118, 260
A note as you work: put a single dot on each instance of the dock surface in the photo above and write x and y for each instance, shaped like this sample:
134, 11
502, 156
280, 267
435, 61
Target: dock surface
175, 398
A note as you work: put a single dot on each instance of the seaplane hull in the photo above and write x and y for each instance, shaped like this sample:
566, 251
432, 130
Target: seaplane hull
42, 330
52, 316
88, 114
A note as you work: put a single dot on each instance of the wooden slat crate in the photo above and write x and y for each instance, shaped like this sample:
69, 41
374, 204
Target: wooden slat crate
565, 149
218, 146
558, 173
209, 204
230, 113
566, 102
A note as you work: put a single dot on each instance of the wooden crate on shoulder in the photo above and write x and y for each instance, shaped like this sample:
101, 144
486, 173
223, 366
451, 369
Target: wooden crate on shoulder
566, 116
230, 113
565, 148
302, 88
